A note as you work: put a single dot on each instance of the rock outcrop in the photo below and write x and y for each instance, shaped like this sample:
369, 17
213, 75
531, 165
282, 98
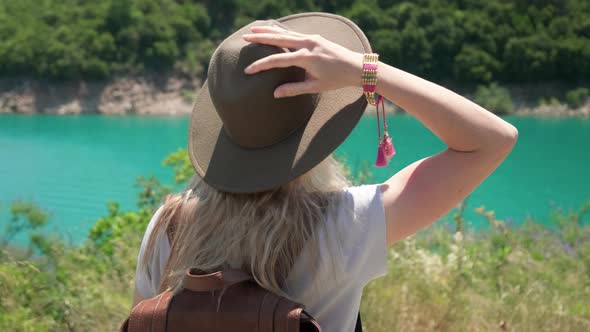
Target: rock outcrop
146, 95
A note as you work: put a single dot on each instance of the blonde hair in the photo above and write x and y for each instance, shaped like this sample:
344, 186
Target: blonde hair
260, 233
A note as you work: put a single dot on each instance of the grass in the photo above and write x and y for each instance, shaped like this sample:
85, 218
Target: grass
521, 278
527, 277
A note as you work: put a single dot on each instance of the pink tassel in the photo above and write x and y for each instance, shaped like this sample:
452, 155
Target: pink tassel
385, 150
388, 145
381, 159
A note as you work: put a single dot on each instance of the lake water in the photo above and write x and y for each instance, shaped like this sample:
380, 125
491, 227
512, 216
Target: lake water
73, 165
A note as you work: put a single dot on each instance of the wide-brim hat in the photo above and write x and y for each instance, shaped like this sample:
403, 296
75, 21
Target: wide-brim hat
242, 139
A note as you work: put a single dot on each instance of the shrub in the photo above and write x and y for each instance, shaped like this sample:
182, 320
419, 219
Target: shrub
187, 96
577, 97
494, 98
529, 277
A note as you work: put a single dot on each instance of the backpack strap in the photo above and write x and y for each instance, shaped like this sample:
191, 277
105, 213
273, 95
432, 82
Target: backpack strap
214, 281
287, 316
150, 314
267, 311
278, 314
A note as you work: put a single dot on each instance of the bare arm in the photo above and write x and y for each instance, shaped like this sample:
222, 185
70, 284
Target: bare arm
477, 143
421, 193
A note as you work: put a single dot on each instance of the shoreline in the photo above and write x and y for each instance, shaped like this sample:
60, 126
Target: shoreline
155, 94
544, 111
539, 113
173, 95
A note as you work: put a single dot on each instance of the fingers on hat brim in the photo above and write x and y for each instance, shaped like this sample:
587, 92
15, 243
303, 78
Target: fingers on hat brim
228, 167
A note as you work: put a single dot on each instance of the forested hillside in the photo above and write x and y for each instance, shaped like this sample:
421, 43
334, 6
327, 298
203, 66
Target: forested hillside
444, 40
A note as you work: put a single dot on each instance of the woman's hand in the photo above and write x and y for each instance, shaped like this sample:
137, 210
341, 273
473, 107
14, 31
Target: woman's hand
424, 191
329, 65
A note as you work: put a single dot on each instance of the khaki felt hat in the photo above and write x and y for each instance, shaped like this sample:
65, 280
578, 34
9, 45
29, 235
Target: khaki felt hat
241, 139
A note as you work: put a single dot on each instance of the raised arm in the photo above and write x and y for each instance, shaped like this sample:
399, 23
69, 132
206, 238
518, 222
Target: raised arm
424, 191
477, 142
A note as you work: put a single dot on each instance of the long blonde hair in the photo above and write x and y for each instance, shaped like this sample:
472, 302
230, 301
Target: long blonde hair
260, 233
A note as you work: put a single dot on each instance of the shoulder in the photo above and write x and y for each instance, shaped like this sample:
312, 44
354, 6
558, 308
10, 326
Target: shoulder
362, 202
153, 221
358, 225
364, 194
147, 276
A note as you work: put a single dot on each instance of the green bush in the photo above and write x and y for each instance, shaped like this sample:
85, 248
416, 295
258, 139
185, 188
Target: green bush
494, 98
549, 101
446, 278
527, 277
577, 97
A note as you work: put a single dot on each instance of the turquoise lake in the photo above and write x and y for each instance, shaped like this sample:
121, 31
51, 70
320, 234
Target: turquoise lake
73, 165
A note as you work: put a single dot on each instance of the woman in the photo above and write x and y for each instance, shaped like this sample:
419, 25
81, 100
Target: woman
268, 197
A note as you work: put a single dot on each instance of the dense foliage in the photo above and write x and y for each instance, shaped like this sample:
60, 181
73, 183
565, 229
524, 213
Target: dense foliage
444, 40
525, 277
494, 98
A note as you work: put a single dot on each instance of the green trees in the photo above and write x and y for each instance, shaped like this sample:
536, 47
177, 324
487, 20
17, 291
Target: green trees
444, 40
80, 39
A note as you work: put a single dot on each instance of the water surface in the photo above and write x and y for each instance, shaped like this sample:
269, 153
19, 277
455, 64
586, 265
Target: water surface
73, 165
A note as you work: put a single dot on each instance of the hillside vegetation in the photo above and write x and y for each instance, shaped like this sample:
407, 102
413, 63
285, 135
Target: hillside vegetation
443, 40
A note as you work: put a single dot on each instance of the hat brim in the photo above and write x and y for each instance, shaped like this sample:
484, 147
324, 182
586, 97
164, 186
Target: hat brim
229, 167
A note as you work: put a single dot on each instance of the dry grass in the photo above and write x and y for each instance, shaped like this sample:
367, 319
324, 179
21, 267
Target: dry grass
519, 279
532, 277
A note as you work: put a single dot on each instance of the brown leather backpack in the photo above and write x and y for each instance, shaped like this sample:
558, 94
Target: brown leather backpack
221, 301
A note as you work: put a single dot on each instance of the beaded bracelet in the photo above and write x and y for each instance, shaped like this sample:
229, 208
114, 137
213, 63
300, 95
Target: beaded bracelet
385, 148
369, 78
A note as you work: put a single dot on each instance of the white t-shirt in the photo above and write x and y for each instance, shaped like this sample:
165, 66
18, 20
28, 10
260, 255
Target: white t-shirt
353, 253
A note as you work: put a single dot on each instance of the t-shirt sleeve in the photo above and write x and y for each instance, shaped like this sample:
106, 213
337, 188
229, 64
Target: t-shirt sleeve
147, 278
361, 220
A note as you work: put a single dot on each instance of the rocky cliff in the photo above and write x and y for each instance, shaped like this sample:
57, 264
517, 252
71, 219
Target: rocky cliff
146, 95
